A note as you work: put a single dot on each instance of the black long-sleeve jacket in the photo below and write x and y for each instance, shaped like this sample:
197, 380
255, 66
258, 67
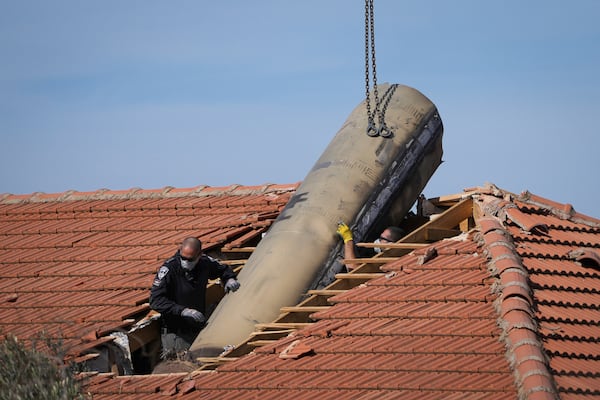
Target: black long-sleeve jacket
175, 288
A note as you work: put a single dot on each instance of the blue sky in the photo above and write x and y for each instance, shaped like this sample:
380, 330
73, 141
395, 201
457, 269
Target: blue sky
123, 94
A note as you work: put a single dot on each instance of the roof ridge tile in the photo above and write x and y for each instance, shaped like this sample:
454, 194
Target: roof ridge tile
504, 200
514, 303
138, 193
562, 211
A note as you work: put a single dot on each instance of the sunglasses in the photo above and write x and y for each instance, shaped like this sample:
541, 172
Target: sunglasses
384, 239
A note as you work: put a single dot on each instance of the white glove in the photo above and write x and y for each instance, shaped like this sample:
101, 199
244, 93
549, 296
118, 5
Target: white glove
231, 285
196, 315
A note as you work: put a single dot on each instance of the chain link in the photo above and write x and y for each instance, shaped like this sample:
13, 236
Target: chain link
384, 131
373, 64
370, 64
371, 128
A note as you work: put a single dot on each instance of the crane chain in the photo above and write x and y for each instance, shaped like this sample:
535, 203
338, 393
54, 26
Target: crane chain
370, 64
384, 130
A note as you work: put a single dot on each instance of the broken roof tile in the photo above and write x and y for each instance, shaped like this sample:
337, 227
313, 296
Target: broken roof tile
563, 211
88, 258
525, 284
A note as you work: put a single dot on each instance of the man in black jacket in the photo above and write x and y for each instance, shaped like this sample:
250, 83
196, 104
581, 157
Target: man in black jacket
178, 293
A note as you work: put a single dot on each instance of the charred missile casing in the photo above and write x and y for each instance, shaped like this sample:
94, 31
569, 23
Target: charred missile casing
356, 179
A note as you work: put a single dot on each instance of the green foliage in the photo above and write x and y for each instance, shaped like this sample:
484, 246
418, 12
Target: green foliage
28, 374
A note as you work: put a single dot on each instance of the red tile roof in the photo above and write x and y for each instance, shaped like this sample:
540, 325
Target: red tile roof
79, 265
548, 255
508, 310
422, 330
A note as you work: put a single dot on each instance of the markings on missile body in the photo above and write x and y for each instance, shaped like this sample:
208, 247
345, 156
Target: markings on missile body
348, 164
417, 113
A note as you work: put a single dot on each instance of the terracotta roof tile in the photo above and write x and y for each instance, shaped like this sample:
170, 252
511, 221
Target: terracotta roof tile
422, 316
563, 211
79, 262
506, 311
429, 332
563, 282
565, 292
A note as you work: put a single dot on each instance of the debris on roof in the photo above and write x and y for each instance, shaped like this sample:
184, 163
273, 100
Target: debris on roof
504, 310
77, 267
295, 350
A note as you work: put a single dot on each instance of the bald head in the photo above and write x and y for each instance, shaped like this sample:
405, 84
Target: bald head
191, 247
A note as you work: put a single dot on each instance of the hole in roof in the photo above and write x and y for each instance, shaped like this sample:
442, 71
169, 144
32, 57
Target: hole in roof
590, 262
588, 258
540, 229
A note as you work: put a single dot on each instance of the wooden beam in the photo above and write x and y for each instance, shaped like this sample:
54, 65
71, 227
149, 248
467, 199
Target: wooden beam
233, 262
397, 249
237, 269
259, 343
373, 260
465, 225
435, 234
401, 245
367, 268
449, 219
86, 357
314, 300
351, 276
310, 309
215, 360
283, 325
270, 335
325, 292
239, 250
452, 199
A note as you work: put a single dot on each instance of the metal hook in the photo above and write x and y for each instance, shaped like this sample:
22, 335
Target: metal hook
372, 129
384, 131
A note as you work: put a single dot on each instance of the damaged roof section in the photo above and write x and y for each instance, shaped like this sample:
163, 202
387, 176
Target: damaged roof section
78, 266
507, 309
421, 328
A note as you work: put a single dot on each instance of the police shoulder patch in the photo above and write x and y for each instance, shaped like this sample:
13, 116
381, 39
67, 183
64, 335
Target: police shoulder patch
162, 272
